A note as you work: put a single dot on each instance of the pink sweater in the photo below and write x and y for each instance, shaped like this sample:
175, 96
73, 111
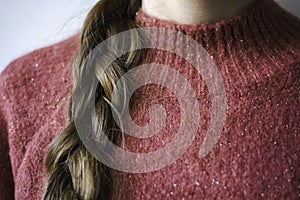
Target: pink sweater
257, 154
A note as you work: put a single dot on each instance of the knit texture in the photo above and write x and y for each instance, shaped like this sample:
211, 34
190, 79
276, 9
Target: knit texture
35, 91
257, 154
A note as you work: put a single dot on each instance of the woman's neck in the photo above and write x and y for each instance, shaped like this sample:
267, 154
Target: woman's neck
193, 11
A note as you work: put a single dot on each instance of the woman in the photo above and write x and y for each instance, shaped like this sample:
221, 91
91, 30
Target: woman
256, 47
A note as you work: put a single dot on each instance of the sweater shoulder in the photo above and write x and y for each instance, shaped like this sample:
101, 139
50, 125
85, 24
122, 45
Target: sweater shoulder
38, 69
40, 60
33, 88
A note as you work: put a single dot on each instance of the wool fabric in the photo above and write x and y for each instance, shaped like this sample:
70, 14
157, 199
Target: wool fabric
257, 155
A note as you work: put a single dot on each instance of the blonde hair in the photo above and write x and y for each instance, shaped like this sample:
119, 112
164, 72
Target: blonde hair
72, 172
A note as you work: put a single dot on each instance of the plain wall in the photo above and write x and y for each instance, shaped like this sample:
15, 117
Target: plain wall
26, 25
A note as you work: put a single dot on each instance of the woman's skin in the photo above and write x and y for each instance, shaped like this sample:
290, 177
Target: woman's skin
194, 11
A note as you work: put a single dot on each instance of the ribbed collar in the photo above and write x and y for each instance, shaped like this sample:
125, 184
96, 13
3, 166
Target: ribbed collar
263, 35
263, 21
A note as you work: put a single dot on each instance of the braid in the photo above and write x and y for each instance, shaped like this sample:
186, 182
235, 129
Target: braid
73, 173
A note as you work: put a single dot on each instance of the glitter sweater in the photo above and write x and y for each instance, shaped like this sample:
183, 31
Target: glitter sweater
257, 155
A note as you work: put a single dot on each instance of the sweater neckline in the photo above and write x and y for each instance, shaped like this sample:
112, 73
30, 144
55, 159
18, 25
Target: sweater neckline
262, 22
256, 44
144, 19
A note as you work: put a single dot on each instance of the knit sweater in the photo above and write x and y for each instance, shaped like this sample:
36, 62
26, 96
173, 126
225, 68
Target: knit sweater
257, 154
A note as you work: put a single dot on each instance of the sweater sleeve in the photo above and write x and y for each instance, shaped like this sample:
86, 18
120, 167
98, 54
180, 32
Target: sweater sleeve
6, 176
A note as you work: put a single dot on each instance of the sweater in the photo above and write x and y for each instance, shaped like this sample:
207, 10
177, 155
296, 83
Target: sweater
257, 154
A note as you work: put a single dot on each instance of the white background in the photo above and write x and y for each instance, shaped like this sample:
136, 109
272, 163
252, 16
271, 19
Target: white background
29, 24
